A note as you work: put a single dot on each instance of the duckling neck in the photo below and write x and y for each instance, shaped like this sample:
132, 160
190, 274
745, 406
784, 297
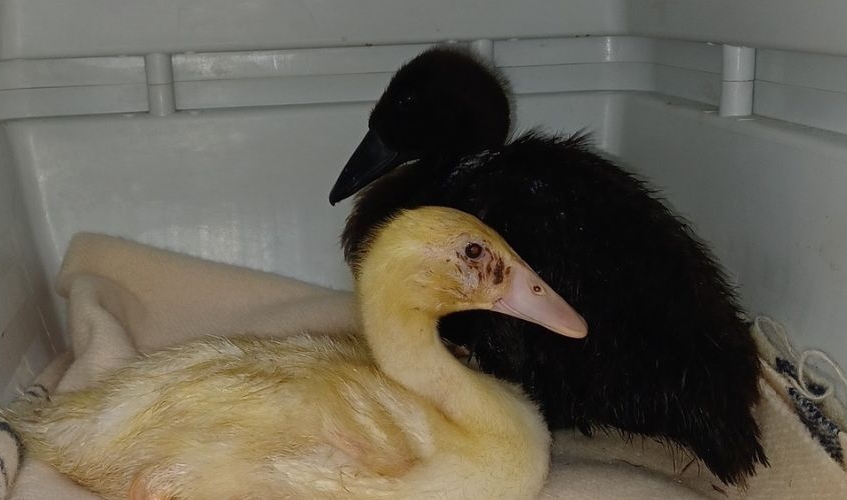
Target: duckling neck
406, 346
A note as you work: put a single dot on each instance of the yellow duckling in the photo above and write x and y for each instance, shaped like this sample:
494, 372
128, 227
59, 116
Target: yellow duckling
391, 415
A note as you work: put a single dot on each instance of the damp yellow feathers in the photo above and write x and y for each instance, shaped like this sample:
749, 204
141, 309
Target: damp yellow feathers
390, 414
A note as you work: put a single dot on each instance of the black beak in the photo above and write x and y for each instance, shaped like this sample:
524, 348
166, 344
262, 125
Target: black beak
371, 159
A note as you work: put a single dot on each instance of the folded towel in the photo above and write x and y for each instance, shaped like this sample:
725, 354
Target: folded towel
124, 298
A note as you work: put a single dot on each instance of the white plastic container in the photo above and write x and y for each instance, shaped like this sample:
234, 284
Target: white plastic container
217, 128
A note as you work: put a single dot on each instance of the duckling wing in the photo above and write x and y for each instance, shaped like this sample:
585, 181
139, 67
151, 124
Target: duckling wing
372, 435
330, 399
236, 415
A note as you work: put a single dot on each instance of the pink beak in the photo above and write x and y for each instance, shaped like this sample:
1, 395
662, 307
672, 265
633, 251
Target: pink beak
531, 299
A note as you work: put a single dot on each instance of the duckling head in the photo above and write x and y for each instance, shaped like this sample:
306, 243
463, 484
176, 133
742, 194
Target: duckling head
437, 261
443, 103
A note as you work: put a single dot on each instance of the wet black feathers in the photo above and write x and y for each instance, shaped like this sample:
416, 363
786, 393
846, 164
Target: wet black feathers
440, 104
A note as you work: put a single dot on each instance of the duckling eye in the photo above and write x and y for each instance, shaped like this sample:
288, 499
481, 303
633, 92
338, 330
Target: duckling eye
406, 102
473, 250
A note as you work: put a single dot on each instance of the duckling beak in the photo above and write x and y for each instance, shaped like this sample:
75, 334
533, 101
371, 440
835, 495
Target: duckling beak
531, 299
371, 159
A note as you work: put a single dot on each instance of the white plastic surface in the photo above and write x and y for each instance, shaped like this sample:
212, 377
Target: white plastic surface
736, 98
58, 87
53, 28
810, 89
29, 333
739, 71
739, 63
246, 187
804, 88
810, 25
160, 84
241, 187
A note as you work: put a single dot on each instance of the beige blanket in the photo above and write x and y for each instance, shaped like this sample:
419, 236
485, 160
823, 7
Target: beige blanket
124, 298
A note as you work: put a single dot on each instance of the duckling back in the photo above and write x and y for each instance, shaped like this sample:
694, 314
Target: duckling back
179, 418
304, 417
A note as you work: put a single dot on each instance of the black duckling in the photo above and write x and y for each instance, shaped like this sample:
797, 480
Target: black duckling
669, 355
